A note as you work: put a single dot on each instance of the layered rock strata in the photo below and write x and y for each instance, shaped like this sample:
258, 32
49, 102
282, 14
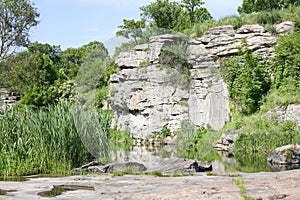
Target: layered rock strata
145, 99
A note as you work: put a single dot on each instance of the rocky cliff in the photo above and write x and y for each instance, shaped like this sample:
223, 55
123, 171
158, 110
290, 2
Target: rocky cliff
145, 97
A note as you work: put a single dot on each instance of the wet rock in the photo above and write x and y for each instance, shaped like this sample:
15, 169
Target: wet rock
124, 167
288, 154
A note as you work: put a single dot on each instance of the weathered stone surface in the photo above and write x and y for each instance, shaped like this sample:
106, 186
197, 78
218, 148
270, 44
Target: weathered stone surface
182, 165
157, 43
285, 27
291, 113
251, 28
228, 29
225, 143
147, 98
124, 167
278, 185
289, 154
131, 59
144, 103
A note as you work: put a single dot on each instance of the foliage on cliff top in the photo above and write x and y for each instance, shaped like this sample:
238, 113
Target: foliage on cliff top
265, 18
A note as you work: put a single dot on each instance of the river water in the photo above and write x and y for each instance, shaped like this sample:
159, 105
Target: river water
221, 162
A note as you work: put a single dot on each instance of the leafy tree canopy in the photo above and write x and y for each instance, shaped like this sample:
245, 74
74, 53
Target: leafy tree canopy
42, 74
132, 28
165, 14
174, 15
17, 17
250, 6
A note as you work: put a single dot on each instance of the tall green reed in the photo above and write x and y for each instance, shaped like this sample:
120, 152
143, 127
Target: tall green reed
39, 141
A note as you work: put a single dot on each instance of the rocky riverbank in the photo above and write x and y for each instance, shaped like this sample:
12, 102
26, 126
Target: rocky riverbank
275, 185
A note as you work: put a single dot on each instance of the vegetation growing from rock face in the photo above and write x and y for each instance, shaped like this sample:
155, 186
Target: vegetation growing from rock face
259, 135
248, 81
265, 18
175, 56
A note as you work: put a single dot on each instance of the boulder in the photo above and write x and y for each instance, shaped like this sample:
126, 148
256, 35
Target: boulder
288, 154
285, 27
226, 142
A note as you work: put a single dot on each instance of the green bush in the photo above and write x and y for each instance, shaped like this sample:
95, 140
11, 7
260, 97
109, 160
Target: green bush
248, 81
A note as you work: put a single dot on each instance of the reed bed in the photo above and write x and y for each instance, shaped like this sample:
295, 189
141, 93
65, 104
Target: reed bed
39, 141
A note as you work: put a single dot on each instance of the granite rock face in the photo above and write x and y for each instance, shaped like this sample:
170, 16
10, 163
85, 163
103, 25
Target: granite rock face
145, 97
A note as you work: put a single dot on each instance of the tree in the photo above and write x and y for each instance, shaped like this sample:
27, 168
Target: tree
250, 6
174, 15
17, 17
164, 13
195, 11
132, 28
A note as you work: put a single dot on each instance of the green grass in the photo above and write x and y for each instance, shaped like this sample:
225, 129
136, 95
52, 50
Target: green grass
265, 18
39, 141
239, 182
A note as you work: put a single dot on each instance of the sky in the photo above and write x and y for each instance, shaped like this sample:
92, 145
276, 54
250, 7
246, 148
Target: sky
73, 23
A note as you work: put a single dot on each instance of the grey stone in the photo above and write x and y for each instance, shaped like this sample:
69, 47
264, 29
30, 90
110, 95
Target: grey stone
93, 163
226, 142
288, 154
148, 98
251, 28
181, 165
285, 27
157, 43
291, 113
131, 59
227, 29
124, 167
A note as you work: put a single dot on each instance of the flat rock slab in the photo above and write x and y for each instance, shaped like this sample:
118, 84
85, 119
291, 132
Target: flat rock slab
275, 185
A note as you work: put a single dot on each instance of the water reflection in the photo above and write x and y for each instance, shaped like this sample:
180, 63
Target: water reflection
222, 162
